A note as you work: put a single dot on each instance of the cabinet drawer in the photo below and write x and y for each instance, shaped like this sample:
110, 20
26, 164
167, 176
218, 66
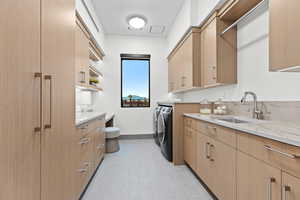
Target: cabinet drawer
85, 147
277, 154
90, 126
84, 173
225, 135
189, 123
189, 150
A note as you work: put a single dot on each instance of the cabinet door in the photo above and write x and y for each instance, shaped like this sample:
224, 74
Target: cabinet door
203, 159
284, 34
223, 167
82, 57
186, 50
291, 187
178, 75
20, 100
209, 54
100, 146
257, 180
58, 138
190, 147
171, 73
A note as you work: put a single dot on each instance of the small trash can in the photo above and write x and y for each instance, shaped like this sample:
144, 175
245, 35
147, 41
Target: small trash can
112, 135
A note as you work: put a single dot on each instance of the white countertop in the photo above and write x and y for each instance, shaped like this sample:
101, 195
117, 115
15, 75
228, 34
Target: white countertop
288, 133
109, 117
82, 118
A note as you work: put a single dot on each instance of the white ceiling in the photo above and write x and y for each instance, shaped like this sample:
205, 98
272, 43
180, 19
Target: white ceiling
113, 14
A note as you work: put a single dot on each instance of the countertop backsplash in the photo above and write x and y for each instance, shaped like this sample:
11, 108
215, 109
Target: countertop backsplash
285, 111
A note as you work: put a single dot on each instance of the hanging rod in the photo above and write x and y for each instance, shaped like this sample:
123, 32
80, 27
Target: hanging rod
243, 17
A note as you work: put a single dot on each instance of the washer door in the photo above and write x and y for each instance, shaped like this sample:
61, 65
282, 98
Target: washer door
161, 127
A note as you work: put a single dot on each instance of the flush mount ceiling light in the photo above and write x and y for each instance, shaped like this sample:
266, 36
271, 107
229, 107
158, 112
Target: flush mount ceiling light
137, 22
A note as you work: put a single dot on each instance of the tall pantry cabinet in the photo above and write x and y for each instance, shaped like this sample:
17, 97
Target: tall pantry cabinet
37, 112
20, 100
57, 66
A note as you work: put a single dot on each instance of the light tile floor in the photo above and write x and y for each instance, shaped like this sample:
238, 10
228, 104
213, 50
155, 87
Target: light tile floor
139, 172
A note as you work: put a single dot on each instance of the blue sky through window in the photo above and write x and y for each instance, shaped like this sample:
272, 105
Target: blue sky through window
135, 78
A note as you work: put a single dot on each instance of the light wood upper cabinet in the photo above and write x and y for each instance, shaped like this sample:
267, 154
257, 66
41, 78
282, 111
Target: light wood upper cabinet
20, 100
82, 56
290, 187
209, 54
215, 162
284, 34
218, 54
257, 180
184, 63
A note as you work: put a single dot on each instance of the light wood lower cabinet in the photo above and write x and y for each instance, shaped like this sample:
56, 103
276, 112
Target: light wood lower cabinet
90, 150
223, 167
216, 166
290, 187
241, 166
190, 147
257, 180
203, 159
214, 162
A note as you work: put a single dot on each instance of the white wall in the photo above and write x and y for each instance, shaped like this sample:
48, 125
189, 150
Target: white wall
133, 120
181, 23
202, 8
253, 64
192, 13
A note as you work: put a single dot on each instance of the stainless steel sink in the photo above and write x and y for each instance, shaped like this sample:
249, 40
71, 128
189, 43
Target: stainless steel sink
233, 120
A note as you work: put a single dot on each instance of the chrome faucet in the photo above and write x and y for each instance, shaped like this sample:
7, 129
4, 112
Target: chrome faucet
257, 114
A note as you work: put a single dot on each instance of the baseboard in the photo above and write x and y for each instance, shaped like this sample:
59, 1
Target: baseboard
202, 183
91, 179
136, 137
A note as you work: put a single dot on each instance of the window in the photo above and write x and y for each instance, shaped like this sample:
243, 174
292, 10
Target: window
135, 80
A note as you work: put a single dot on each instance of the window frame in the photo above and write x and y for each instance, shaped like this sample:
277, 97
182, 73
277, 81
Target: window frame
136, 57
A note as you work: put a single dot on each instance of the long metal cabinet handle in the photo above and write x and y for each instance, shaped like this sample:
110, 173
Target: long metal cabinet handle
49, 77
39, 76
271, 181
82, 73
210, 147
285, 191
84, 141
282, 153
207, 150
